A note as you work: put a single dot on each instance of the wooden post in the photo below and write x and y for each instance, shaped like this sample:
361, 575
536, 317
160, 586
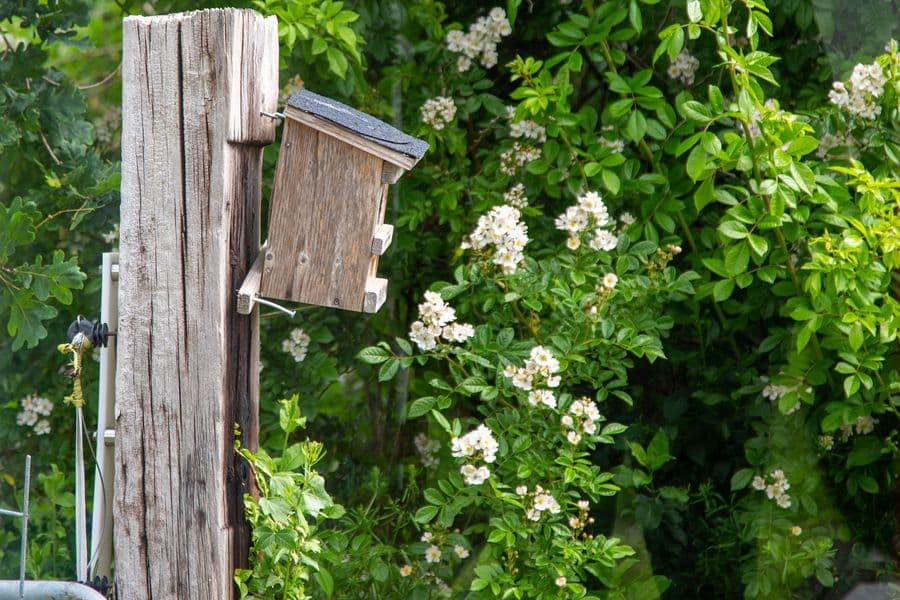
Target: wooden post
193, 88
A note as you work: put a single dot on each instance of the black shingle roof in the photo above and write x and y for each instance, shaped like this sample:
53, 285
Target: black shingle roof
359, 123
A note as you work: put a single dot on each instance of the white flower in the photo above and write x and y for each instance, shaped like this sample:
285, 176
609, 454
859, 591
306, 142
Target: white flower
796, 530
574, 437
461, 551
432, 554
427, 536
27, 418
610, 280
438, 112
784, 501
528, 129
296, 344
544, 397
422, 337
522, 490
683, 67
502, 229
560, 581
481, 40
517, 156
865, 425
758, 483
603, 240
405, 570
616, 146
515, 196
42, 427
458, 332
478, 441
474, 475
861, 96
567, 421
573, 243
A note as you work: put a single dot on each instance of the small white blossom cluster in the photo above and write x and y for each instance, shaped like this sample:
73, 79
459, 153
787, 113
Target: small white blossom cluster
525, 128
775, 392
477, 444
826, 442
589, 213
616, 146
33, 408
579, 522
437, 319
582, 417
860, 96
297, 344
427, 449
829, 141
515, 196
517, 156
480, 43
112, 235
683, 67
438, 112
540, 370
862, 426
775, 485
502, 229
540, 501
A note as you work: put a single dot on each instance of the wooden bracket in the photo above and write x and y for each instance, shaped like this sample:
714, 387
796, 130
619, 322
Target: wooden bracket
391, 173
381, 239
376, 294
250, 288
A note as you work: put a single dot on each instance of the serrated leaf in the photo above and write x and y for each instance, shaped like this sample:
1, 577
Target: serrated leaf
373, 355
421, 406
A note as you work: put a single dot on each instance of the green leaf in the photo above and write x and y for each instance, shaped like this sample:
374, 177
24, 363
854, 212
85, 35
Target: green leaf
421, 406
426, 514
866, 450
696, 163
759, 245
592, 168
741, 479
613, 429
325, 581
25, 320
733, 229
737, 257
722, 289
388, 369
611, 181
337, 62
693, 11
373, 355
658, 451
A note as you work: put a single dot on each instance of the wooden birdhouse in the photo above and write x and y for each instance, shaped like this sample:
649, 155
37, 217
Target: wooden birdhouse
326, 218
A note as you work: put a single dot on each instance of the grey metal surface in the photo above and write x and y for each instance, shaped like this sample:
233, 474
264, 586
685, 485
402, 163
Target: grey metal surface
358, 122
49, 590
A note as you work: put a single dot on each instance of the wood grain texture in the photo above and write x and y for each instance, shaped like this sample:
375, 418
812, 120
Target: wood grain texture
249, 289
381, 239
326, 203
187, 361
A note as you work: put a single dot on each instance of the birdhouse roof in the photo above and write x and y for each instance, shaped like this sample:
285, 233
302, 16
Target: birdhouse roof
358, 123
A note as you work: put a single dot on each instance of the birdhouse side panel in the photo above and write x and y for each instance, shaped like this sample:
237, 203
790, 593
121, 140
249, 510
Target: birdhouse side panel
326, 197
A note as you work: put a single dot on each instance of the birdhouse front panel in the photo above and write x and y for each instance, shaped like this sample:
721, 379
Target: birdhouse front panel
326, 218
327, 202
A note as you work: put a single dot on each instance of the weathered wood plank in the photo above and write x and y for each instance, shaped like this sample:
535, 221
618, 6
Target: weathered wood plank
190, 226
381, 239
326, 202
250, 287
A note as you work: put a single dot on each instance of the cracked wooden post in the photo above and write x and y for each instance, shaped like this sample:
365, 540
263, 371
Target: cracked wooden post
193, 88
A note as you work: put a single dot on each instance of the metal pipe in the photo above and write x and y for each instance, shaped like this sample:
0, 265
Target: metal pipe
52, 590
24, 548
80, 504
102, 521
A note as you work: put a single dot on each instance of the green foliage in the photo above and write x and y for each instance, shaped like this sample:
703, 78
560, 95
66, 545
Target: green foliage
292, 500
743, 362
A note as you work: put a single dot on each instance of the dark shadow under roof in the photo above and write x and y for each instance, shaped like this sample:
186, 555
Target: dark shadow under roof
358, 122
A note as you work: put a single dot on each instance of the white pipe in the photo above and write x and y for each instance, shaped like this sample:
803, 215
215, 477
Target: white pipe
49, 590
80, 505
102, 522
